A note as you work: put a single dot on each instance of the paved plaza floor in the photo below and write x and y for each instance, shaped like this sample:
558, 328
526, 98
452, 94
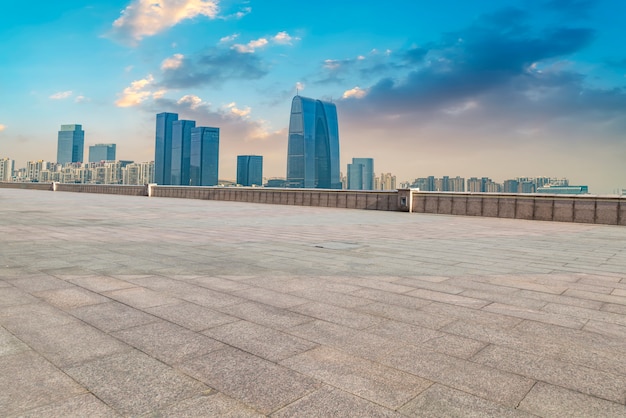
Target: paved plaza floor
135, 306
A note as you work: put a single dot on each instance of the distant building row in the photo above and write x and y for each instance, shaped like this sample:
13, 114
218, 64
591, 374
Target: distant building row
102, 172
486, 185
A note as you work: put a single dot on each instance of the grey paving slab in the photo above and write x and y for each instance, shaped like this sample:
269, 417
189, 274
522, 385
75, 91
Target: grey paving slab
380, 384
554, 401
133, 383
260, 384
140, 297
11, 296
40, 283
442, 401
349, 340
484, 307
85, 405
338, 315
267, 315
598, 383
9, 344
332, 402
71, 297
207, 404
191, 316
259, 340
112, 316
29, 381
410, 316
168, 342
33, 316
100, 283
270, 297
490, 383
70, 344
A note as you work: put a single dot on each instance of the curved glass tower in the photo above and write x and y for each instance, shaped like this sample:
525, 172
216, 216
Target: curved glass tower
313, 148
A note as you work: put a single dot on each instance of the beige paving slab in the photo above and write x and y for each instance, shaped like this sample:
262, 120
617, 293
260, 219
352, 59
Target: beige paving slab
486, 382
168, 342
380, 384
133, 383
85, 405
443, 401
260, 384
598, 383
29, 381
555, 401
332, 402
259, 340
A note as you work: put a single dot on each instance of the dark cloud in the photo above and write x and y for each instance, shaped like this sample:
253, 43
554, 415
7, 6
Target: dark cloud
493, 61
213, 68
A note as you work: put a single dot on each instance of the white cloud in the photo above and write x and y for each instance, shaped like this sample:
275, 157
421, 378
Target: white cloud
172, 62
61, 95
281, 38
190, 100
284, 38
81, 99
229, 38
144, 18
242, 113
2, 127
137, 92
356, 93
331, 64
244, 11
250, 46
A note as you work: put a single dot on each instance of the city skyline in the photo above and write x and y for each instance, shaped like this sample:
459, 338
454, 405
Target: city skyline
496, 88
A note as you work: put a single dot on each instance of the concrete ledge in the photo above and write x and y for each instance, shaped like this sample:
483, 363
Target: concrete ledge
608, 210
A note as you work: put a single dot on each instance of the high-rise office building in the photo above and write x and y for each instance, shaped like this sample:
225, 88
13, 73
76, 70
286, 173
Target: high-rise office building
181, 151
101, 152
313, 145
6, 169
204, 156
361, 174
250, 170
71, 144
163, 148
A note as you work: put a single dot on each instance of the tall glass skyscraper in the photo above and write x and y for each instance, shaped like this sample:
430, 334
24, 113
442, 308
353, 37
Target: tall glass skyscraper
361, 174
250, 170
313, 147
163, 148
101, 152
181, 148
71, 144
204, 156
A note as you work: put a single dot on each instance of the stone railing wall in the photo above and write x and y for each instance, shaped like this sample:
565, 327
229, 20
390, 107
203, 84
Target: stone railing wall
101, 188
610, 210
29, 186
352, 199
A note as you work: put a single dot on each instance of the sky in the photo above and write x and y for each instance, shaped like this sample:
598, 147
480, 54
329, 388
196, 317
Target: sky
485, 88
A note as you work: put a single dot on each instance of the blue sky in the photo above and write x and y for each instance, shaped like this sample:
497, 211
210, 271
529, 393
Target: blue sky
483, 88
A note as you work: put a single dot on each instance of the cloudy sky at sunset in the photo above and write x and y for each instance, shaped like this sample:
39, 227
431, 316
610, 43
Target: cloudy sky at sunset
495, 88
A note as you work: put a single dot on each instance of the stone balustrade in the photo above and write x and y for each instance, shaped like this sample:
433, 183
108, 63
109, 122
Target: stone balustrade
610, 210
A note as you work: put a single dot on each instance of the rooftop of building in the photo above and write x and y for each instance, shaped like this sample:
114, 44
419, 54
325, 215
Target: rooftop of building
134, 306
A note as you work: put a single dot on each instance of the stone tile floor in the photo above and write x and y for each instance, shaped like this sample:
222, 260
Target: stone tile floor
134, 306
